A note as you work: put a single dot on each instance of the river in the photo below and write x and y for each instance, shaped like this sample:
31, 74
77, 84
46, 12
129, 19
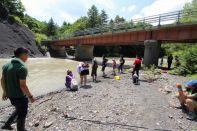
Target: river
45, 74
48, 74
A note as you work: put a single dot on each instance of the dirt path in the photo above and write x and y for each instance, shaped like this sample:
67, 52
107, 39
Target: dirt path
110, 105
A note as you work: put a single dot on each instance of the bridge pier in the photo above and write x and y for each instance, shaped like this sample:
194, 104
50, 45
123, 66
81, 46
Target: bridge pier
84, 52
151, 54
57, 51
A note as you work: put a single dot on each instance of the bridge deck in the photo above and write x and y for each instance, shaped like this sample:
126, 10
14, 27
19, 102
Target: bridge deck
178, 33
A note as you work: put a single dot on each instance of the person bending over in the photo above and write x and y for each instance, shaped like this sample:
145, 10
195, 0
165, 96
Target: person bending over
188, 98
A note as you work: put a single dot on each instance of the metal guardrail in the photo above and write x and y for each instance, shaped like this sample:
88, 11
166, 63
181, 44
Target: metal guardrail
144, 23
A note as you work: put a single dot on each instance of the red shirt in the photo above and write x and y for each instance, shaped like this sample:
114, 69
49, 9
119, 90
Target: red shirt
137, 61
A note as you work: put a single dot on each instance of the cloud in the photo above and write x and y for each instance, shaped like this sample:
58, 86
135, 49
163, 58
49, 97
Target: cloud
128, 9
57, 9
161, 6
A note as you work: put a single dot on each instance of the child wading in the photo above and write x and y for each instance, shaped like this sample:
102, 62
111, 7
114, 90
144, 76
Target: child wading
94, 69
114, 66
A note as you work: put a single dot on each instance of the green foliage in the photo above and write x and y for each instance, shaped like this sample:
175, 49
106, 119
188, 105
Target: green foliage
39, 38
93, 17
187, 8
15, 7
103, 18
119, 19
188, 60
51, 28
17, 19
35, 25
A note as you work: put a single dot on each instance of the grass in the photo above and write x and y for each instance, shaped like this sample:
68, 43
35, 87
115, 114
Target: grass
192, 77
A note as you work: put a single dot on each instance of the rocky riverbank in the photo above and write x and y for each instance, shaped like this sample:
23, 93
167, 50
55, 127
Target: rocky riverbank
110, 105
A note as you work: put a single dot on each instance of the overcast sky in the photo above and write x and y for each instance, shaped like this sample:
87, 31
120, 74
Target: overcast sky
71, 10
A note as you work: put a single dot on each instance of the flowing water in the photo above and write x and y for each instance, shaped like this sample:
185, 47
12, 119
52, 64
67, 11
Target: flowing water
48, 74
45, 74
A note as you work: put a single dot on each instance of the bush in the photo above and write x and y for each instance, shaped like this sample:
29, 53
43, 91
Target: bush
188, 61
39, 38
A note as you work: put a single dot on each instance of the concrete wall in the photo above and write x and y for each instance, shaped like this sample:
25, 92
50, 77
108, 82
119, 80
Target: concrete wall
84, 52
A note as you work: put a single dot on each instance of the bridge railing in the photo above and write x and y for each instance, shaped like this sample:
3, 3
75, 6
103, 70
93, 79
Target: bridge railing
177, 17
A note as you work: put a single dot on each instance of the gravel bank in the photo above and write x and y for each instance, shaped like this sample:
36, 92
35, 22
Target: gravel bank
110, 105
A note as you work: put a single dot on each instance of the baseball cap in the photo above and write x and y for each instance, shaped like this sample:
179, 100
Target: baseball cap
192, 83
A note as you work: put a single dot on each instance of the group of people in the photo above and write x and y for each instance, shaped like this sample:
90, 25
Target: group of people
83, 70
13, 83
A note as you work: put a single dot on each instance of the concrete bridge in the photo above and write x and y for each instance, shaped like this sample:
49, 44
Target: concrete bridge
152, 37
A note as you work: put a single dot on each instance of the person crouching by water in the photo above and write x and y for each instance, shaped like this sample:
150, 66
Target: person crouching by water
69, 78
114, 66
104, 65
83, 70
13, 83
188, 98
137, 65
94, 70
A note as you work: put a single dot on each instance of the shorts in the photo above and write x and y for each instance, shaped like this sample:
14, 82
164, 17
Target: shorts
84, 72
94, 72
103, 68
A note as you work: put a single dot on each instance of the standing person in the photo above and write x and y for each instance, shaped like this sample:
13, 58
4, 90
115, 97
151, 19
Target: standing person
114, 66
170, 58
161, 63
15, 89
104, 64
121, 66
177, 62
137, 65
94, 69
83, 70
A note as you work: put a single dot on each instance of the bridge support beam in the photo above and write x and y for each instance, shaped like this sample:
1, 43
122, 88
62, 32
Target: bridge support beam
57, 51
84, 52
151, 54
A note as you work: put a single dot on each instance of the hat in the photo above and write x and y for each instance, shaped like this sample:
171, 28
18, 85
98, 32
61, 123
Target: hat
192, 83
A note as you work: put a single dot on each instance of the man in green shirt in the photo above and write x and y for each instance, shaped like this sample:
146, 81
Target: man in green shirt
13, 83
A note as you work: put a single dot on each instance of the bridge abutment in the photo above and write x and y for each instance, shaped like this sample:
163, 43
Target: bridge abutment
84, 52
57, 51
151, 54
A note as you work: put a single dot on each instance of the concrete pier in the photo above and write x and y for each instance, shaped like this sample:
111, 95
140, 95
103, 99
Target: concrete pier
84, 52
151, 54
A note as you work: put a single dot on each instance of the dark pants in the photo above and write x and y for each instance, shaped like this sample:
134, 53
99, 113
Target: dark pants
136, 70
121, 67
169, 65
20, 113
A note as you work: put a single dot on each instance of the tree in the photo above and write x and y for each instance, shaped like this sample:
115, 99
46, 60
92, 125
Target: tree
51, 29
93, 17
119, 19
15, 7
187, 8
103, 18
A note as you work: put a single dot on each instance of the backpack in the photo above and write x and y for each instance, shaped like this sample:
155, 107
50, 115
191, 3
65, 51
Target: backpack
74, 85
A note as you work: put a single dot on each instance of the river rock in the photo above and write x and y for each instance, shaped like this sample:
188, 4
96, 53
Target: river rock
48, 124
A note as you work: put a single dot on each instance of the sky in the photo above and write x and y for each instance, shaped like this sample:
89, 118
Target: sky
71, 10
